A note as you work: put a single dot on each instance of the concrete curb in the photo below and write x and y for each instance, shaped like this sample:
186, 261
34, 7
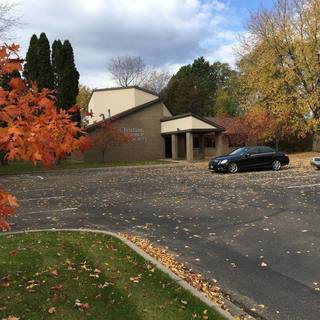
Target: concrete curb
233, 309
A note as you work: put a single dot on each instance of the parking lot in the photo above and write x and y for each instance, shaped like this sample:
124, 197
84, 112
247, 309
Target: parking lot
256, 233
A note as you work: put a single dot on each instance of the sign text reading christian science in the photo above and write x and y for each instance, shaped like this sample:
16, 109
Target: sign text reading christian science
136, 133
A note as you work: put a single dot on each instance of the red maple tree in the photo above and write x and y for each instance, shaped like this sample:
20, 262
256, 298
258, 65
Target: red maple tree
108, 136
257, 124
35, 130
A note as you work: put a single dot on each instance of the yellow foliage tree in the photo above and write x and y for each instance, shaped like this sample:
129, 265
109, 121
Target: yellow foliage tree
280, 65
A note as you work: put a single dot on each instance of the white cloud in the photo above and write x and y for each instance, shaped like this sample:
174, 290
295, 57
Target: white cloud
227, 50
166, 33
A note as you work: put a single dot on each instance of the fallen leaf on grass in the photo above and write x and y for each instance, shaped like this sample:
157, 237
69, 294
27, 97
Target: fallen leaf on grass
4, 282
53, 271
32, 284
150, 267
211, 290
136, 279
11, 318
105, 285
81, 306
84, 266
70, 265
95, 274
52, 310
57, 287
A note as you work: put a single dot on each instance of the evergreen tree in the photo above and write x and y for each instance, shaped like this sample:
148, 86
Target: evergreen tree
57, 67
70, 76
31, 71
66, 76
45, 75
202, 88
192, 89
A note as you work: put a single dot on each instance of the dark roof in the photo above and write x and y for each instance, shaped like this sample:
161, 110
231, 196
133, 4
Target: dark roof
201, 118
129, 87
123, 114
224, 121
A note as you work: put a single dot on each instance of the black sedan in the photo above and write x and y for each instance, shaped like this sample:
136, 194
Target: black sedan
249, 158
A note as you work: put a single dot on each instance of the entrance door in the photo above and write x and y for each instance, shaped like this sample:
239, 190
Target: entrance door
168, 147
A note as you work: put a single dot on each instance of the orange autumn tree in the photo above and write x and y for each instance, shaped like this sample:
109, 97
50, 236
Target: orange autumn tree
33, 128
108, 136
259, 124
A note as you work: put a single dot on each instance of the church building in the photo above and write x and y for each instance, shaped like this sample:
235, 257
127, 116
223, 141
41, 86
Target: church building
155, 132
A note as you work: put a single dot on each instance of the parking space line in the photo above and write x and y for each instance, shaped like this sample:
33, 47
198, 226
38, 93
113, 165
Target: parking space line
54, 210
27, 190
40, 198
305, 186
286, 177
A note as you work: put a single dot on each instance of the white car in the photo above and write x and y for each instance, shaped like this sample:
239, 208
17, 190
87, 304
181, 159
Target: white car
315, 162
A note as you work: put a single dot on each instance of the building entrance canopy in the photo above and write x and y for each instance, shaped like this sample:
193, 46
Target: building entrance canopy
189, 124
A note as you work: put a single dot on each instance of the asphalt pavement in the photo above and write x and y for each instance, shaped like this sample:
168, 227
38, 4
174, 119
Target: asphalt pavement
257, 233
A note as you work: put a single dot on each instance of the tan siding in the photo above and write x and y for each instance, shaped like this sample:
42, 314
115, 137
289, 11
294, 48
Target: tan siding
115, 100
148, 144
142, 97
166, 112
186, 123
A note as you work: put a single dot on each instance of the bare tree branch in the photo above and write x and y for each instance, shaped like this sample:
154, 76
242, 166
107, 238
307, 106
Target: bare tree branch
128, 71
157, 80
8, 20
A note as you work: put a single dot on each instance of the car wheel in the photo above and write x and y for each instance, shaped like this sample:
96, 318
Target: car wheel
276, 165
233, 167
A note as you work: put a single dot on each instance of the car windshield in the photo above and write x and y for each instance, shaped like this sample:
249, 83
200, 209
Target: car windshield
239, 151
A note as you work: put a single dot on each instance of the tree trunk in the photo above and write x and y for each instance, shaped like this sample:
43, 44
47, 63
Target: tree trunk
316, 142
277, 144
3, 160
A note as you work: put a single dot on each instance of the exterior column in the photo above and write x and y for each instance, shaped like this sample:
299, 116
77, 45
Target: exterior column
189, 145
174, 146
201, 146
221, 144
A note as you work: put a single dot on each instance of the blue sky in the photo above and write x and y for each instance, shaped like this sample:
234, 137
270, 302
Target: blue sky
250, 4
166, 33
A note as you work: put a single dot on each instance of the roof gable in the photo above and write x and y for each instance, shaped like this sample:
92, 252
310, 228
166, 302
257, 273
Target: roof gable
123, 114
112, 101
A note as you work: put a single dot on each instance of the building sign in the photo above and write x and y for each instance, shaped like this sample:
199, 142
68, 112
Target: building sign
137, 134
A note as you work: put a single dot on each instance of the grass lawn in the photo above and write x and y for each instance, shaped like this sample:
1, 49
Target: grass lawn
27, 167
79, 275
